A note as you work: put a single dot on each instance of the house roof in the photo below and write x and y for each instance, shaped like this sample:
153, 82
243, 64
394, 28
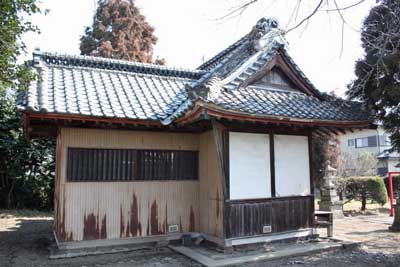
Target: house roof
387, 154
107, 88
99, 87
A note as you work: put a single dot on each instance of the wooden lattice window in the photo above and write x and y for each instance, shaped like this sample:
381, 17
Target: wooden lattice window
88, 164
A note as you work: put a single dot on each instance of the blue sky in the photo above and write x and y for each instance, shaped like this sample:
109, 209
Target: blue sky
189, 32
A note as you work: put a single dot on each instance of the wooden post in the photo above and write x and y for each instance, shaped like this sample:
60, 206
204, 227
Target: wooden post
272, 164
222, 146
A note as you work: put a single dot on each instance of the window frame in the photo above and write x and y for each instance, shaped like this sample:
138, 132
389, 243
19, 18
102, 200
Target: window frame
351, 142
362, 139
135, 157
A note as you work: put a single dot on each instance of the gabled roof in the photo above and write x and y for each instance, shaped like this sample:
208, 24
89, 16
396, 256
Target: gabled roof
106, 88
252, 53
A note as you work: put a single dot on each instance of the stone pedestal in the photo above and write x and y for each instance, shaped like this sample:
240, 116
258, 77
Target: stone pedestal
329, 198
396, 222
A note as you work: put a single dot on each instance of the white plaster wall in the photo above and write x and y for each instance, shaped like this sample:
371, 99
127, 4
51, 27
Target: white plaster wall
344, 148
249, 166
292, 170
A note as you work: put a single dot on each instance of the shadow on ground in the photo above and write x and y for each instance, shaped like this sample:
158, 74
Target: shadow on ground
24, 241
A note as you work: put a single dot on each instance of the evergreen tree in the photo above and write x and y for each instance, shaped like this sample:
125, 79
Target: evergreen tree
378, 73
119, 31
13, 24
26, 168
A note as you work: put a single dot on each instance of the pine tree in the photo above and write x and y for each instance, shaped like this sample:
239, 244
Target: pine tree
119, 31
378, 73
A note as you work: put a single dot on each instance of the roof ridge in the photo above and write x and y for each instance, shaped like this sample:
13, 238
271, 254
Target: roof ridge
114, 64
208, 64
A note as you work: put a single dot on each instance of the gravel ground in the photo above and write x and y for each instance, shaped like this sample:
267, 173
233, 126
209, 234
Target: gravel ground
24, 239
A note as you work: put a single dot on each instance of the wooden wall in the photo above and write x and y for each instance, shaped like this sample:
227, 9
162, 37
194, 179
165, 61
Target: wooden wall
105, 210
211, 199
108, 210
246, 218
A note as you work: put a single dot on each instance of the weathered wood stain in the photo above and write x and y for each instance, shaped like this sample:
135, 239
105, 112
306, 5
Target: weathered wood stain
90, 227
154, 222
103, 231
135, 226
93, 228
132, 208
121, 223
191, 220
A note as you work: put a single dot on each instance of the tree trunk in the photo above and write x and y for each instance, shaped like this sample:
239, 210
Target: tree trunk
9, 195
363, 202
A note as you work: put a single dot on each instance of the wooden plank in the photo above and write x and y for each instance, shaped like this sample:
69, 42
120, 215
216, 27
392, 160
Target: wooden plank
283, 214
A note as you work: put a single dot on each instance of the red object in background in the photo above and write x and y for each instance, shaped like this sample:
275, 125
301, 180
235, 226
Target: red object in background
391, 191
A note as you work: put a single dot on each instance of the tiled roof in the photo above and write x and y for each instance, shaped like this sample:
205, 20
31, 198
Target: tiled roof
212, 62
288, 104
389, 155
106, 88
273, 42
89, 86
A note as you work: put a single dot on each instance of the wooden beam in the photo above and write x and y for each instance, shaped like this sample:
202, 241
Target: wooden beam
319, 133
331, 129
215, 111
343, 131
310, 160
272, 164
217, 132
71, 117
221, 140
312, 178
325, 131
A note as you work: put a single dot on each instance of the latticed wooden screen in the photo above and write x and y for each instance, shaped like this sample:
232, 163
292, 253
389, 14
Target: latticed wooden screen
88, 164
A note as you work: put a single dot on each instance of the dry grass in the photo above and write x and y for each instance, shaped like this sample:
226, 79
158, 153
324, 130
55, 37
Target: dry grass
355, 205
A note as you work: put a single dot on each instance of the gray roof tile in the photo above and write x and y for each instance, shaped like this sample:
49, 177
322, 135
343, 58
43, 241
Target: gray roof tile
100, 87
107, 88
288, 104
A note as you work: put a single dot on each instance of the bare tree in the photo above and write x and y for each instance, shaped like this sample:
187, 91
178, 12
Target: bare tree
297, 21
362, 164
327, 6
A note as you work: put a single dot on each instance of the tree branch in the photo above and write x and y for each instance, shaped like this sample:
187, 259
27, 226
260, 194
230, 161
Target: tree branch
307, 18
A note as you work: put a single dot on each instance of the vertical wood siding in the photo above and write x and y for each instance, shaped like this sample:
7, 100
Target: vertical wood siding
105, 210
211, 199
247, 218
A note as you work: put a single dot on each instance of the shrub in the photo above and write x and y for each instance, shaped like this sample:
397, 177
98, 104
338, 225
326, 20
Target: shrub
365, 187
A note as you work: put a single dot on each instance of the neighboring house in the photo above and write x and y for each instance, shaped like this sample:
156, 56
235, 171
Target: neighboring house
388, 162
370, 140
375, 141
149, 153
